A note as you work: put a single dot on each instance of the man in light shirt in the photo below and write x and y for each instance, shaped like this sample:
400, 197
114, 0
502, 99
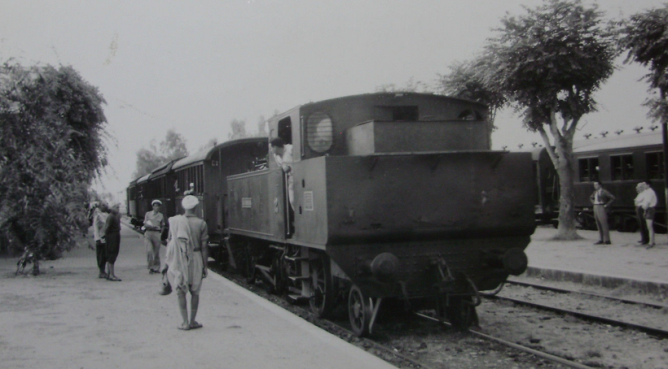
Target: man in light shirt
154, 222
647, 202
640, 214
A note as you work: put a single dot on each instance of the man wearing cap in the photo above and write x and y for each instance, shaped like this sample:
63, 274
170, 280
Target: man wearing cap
186, 259
154, 222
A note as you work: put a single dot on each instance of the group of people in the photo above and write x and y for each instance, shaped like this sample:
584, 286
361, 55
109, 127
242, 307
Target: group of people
107, 236
645, 204
186, 257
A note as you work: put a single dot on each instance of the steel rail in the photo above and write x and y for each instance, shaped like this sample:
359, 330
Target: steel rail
564, 290
541, 354
656, 332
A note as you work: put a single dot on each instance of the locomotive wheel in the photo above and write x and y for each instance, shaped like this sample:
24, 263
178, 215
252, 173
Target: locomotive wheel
322, 289
250, 264
359, 311
460, 312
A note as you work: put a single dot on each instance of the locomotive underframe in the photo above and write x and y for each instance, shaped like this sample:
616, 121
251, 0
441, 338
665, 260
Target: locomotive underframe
418, 270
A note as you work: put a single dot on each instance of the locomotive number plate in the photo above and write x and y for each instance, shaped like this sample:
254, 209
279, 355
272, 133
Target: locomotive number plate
246, 202
308, 201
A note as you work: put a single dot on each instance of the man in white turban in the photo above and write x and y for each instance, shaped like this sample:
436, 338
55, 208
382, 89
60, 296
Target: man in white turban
187, 256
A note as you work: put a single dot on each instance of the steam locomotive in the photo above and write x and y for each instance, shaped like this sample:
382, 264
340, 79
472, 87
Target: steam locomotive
396, 196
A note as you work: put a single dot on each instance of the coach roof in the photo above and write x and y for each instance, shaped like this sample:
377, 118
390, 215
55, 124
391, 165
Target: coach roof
618, 142
163, 169
206, 154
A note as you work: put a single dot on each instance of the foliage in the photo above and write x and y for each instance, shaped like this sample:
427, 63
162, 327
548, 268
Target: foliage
411, 86
51, 148
548, 63
645, 39
551, 60
171, 148
464, 82
237, 130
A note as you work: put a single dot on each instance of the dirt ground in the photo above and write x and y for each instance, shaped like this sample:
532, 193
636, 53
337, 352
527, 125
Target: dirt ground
68, 318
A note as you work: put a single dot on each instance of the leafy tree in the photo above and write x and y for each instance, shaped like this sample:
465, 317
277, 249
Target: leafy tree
171, 148
548, 63
411, 86
645, 39
51, 148
464, 82
262, 127
238, 130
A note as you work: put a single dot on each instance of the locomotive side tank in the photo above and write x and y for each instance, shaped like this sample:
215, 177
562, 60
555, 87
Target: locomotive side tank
395, 196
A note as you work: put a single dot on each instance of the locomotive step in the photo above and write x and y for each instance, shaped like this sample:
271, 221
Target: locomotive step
296, 278
296, 258
297, 298
262, 267
276, 247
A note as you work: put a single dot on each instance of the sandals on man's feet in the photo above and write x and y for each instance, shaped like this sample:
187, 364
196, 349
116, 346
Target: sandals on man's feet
195, 325
114, 279
184, 327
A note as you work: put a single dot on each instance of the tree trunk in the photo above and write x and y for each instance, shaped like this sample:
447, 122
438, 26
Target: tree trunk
562, 158
566, 230
35, 266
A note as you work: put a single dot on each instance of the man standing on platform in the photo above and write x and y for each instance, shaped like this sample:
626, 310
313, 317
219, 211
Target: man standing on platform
186, 259
99, 220
601, 199
648, 203
640, 214
112, 238
154, 222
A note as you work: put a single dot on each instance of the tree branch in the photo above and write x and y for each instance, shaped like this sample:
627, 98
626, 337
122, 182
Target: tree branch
549, 147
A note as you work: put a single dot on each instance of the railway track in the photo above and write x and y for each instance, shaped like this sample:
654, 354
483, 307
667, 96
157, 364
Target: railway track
541, 354
652, 331
391, 353
592, 294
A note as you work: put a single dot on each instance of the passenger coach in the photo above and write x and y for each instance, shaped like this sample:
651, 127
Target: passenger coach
619, 163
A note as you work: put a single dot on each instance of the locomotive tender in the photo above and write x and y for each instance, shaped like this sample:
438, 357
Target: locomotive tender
396, 195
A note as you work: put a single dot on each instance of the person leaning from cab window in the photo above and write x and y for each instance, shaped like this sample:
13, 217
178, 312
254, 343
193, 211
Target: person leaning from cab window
283, 156
601, 199
154, 222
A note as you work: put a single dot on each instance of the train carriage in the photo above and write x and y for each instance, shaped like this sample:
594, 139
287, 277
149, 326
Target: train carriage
395, 196
619, 163
203, 175
142, 201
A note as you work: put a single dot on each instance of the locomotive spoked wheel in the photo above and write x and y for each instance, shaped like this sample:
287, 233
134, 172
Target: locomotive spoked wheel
459, 311
321, 286
359, 311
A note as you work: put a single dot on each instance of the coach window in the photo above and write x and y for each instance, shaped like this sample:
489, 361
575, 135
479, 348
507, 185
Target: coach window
622, 167
654, 161
588, 169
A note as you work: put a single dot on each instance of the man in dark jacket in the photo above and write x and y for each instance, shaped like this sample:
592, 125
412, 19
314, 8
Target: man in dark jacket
112, 236
601, 199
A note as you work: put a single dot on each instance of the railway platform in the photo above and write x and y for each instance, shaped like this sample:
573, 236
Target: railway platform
624, 263
68, 318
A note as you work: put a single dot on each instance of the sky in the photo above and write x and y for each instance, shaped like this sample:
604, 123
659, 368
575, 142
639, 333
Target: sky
196, 66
